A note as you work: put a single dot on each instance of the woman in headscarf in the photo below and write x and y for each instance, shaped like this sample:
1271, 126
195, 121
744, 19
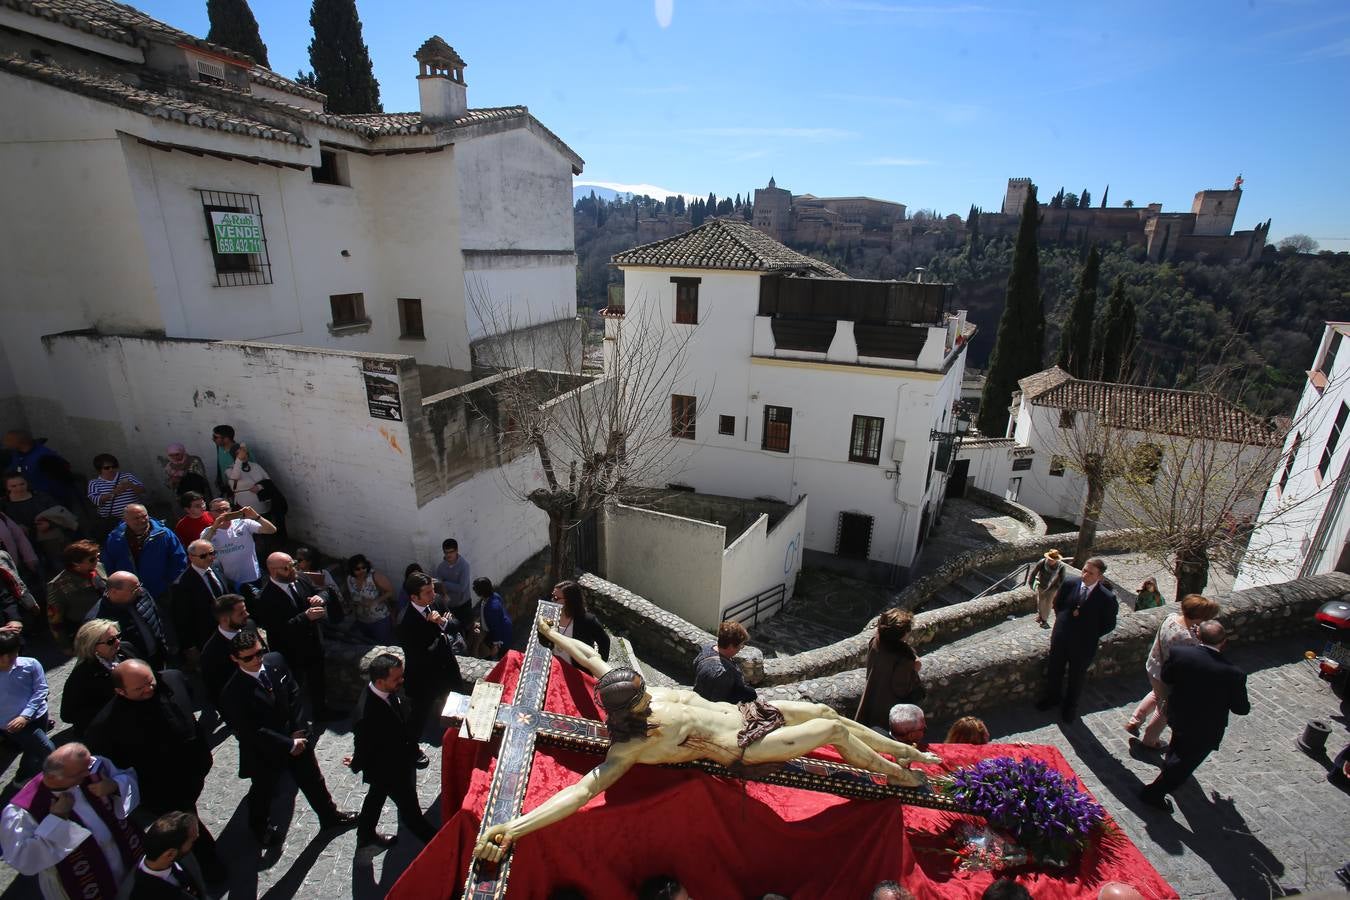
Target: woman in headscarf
184, 472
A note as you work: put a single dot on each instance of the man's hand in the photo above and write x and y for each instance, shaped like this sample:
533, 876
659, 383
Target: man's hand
17, 724
248, 512
63, 804
315, 613
494, 844
105, 788
435, 618
15, 627
298, 746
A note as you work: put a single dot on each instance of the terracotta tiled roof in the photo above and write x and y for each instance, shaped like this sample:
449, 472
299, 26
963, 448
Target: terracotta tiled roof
116, 22
266, 76
148, 102
1034, 385
1161, 411
376, 124
725, 244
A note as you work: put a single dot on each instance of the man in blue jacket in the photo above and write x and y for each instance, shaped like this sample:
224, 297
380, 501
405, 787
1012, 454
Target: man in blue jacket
149, 549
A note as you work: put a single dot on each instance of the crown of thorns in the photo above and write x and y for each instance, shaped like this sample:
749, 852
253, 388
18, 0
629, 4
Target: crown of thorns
619, 690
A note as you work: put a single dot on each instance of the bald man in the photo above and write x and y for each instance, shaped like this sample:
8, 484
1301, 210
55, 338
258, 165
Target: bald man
194, 597
290, 608
70, 825
133, 609
149, 726
149, 548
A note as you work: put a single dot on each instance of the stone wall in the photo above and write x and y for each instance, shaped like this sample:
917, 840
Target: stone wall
1024, 514
659, 637
1010, 671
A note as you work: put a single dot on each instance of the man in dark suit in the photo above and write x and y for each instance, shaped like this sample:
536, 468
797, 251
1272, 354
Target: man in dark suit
133, 609
386, 754
148, 726
231, 617
166, 872
291, 608
194, 596
1204, 687
261, 702
1085, 611
432, 670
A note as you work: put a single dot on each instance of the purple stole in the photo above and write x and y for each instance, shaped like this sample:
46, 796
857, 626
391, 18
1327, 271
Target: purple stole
84, 872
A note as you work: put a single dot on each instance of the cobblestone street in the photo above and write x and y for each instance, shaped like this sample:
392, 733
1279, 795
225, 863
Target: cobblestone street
1260, 821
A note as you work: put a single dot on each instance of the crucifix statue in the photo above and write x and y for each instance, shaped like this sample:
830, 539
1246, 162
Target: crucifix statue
760, 741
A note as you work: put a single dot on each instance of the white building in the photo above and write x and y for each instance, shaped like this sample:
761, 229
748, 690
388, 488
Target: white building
1057, 419
1303, 528
799, 380
170, 186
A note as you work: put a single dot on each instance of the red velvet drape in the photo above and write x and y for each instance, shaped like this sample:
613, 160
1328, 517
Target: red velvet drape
721, 837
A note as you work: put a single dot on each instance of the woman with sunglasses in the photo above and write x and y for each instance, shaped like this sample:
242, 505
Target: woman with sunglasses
89, 687
372, 596
111, 491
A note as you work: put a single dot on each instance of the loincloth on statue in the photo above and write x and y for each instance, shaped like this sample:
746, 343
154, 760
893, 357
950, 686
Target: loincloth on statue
760, 719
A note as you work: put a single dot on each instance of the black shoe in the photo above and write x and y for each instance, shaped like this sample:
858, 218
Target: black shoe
383, 841
340, 819
1046, 703
422, 760
1157, 801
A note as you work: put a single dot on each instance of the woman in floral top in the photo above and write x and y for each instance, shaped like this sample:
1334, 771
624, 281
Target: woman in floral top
1148, 596
1178, 628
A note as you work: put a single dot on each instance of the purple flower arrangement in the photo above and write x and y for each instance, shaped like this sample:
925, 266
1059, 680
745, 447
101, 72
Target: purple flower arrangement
1044, 812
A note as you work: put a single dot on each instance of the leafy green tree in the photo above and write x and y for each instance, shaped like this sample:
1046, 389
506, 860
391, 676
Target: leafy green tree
1298, 243
1020, 348
1069, 201
1075, 341
233, 26
341, 60
1116, 334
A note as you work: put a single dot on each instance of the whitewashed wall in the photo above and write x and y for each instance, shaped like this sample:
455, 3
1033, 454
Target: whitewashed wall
762, 558
674, 562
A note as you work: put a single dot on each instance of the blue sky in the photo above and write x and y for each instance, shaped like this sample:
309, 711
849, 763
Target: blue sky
931, 104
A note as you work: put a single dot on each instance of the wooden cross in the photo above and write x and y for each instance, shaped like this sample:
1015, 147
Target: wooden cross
525, 721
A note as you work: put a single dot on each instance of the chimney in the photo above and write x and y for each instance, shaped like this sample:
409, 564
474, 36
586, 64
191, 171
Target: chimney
440, 82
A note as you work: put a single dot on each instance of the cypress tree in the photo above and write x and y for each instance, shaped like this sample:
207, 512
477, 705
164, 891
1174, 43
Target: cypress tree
341, 59
1115, 336
1020, 348
233, 26
1075, 341
1106, 193
1084, 199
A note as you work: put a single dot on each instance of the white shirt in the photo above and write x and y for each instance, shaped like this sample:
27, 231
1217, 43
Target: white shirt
34, 848
565, 631
383, 695
235, 551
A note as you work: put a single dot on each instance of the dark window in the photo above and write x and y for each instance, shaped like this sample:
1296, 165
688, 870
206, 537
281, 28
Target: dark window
682, 415
410, 318
1329, 358
726, 424
777, 428
348, 309
1289, 463
686, 301
1021, 465
1057, 464
1066, 418
864, 443
332, 169
236, 269
210, 73
1332, 440
1145, 460
855, 535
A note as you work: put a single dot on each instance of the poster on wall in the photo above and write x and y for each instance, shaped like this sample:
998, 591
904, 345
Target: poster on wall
382, 389
236, 232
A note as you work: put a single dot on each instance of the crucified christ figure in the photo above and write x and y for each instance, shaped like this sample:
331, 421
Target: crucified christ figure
656, 725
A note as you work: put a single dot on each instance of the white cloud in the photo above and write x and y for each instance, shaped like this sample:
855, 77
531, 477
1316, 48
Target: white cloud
651, 190
665, 11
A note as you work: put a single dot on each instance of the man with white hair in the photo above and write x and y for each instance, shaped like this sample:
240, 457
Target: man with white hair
70, 826
907, 723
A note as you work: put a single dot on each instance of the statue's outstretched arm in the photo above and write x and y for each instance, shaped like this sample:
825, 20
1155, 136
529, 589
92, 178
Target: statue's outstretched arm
495, 841
586, 656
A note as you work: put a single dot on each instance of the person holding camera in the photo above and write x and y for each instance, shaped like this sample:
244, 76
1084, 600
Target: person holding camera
290, 608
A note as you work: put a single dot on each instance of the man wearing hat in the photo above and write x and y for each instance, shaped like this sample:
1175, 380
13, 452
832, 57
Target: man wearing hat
1045, 578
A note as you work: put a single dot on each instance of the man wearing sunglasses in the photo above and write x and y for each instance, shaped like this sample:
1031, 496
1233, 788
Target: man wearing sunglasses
261, 701
194, 597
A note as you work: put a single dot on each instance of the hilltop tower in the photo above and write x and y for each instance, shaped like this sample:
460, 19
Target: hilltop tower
1215, 211
773, 211
1016, 197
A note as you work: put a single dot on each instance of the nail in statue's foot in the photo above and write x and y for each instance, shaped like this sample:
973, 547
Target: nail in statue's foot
907, 778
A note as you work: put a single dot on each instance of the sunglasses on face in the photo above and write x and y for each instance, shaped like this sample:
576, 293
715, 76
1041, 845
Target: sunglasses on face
207, 555
106, 468
248, 657
108, 642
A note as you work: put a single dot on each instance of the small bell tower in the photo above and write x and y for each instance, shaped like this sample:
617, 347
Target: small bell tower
440, 81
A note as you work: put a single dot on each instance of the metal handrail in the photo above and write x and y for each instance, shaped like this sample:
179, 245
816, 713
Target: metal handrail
1017, 575
759, 603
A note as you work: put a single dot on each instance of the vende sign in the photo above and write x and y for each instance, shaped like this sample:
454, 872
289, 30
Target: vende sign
236, 232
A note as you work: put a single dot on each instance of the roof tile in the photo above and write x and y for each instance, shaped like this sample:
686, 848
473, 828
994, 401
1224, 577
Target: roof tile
725, 244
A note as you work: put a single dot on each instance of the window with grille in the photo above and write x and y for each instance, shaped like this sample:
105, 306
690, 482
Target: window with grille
410, 318
726, 424
1021, 465
1057, 465
855, 535
348, 309
682, 415
1066, 418
777, 428
686, 301
236, 237
1289, 462
1332, 439
864, 442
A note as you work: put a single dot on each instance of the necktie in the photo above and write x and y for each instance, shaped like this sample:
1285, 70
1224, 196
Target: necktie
211, 579
265, 680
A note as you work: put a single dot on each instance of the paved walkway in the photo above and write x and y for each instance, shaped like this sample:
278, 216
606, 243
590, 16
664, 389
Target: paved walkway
1260, 820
